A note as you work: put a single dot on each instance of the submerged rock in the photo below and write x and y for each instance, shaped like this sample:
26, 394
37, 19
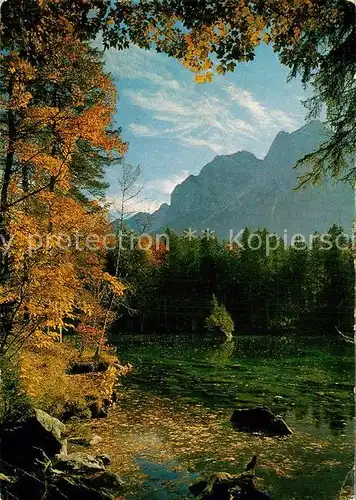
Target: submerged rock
259, 419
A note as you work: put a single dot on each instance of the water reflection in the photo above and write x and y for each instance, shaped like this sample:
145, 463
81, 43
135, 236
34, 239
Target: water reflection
164, 481
308, 379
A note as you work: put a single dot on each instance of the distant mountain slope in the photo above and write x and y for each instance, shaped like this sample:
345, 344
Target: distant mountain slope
144, 221
239, 190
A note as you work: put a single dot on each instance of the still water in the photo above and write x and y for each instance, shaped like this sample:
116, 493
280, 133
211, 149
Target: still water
172, 422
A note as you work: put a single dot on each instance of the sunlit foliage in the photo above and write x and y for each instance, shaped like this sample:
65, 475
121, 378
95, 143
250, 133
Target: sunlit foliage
55, 98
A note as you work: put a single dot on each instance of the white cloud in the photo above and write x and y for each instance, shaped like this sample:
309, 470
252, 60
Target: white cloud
264, 115
142, 130
194, 119
140, 64
167, 184
224, 121
132, 207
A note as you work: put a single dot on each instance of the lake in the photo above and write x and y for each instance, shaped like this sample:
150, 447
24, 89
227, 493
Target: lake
172, 421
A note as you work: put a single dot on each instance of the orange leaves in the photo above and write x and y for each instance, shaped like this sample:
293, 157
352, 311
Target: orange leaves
89, 336
59, 102
116, 287
43, 163
154, 250
57, 272
199, 46
92, 126
22, 69
41, 116
202, 41
204, 77
20, 98
17, 73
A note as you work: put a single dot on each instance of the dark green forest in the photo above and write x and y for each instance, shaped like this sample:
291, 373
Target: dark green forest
302, 287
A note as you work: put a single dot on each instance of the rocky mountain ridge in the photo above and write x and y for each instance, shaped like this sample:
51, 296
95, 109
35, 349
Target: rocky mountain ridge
239, 190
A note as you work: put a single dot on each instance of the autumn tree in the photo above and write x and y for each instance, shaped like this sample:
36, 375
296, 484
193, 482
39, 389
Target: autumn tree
56, 103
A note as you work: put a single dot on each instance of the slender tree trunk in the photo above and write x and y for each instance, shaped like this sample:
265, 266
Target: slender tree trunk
6, 309
354, 257
52, 181
117, 267
9, 156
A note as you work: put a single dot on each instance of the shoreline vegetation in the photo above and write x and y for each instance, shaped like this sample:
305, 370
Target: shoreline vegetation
72, 386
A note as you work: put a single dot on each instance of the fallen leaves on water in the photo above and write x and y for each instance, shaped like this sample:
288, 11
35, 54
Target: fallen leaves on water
194, 438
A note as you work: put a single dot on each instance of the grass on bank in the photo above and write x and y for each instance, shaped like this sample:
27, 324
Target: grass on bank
44, 377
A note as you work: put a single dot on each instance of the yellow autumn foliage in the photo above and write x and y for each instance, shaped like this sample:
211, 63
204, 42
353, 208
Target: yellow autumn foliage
43, 373
56, 241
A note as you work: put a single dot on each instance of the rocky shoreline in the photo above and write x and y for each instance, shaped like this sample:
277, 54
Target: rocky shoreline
35, 464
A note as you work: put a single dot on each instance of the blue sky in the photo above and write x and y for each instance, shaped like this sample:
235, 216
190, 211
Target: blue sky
174, 126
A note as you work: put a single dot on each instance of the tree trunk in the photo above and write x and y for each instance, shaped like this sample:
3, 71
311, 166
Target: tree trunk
6, 310
354, 257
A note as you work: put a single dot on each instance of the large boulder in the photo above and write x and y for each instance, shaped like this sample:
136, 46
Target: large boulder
259, 419
83, 476
103, 485
37, 464
38, 434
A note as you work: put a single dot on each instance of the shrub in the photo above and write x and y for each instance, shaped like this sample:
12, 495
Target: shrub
219, 319
14, 402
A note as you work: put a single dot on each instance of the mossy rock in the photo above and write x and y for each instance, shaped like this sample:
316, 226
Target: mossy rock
78, 463
76, 410
101, 486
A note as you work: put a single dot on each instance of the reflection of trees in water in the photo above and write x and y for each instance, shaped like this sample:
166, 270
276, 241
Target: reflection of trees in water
321, 412
312, 389
222, 354
275, 347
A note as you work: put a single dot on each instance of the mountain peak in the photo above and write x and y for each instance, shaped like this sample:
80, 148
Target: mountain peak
239, 190
295, 145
